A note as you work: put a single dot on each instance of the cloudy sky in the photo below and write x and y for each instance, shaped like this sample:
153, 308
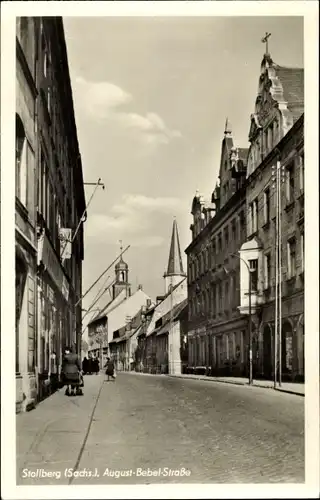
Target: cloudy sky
151, 97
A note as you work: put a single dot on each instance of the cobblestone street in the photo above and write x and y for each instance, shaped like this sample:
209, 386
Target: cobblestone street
218, 432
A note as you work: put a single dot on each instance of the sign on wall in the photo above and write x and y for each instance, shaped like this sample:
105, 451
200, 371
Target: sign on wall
65, 236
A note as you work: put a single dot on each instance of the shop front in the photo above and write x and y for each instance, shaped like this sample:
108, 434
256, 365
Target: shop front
54, 318
25, 264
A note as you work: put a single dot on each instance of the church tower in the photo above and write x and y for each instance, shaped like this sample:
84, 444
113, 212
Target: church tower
175, 272
121, 278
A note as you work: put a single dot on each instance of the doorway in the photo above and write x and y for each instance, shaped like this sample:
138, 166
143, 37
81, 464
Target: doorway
267, 352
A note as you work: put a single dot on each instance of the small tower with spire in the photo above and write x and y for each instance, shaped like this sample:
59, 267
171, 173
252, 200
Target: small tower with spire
121, 277
175, 272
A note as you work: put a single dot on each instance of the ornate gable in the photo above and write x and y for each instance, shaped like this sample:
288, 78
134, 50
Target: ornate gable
274, 114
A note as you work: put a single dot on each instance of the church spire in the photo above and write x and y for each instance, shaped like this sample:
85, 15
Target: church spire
175, 270
227, 128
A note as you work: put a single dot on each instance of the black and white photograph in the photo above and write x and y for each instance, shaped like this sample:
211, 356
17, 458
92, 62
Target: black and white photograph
157, 330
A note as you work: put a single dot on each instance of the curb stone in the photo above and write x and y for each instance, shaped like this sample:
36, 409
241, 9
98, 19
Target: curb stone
239, 383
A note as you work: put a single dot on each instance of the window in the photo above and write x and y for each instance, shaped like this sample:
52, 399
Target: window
226, 343
206, 259
220, 243
275, 132
208, 301
267, 271
49, 99
253, 266
226, 298
270, 138
290, 183
232, 291
220, 297
213, 253
301, 172
21, 161
265, 141
46, 57
291, 250
266, 205
226, 237
202, 262
44, 177
242, 224
233, 230
213, 295
253, 214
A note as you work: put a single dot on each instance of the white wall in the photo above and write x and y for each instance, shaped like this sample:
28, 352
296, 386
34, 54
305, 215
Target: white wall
174, 349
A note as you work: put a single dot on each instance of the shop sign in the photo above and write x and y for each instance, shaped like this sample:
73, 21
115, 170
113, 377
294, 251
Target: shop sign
52, 264
65, 234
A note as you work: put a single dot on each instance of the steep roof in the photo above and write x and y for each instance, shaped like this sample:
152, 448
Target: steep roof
175, 266
292, 80
112, 304
171, 315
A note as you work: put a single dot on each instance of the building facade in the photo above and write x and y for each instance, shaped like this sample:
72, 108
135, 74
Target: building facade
48, 162
217, 337
27, 33
277, 141
124, 341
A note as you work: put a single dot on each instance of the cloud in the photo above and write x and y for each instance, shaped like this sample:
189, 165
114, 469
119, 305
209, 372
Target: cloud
151, 128
132, 217
161, 204
104, 100
99, 99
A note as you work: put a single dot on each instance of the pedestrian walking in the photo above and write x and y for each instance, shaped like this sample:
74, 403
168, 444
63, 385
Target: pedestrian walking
71, 370
85, 365
110, 369
90, 367
96, 366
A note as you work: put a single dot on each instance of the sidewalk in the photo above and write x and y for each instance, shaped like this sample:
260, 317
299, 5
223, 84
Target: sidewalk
55, 428
289, 387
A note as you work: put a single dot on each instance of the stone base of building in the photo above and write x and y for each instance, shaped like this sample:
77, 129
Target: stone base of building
26, 392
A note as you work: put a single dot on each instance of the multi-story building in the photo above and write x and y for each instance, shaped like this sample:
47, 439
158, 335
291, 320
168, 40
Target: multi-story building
217, 337
25, 212
50, 201
277, 140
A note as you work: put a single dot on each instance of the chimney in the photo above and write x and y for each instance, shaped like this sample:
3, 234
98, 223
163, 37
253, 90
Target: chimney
139, 287
159, 299
148, 303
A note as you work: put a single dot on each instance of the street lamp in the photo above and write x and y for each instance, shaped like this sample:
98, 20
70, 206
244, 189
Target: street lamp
250, 314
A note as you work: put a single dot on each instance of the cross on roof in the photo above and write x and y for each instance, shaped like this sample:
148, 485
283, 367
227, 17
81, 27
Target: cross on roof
265, 40
120, 241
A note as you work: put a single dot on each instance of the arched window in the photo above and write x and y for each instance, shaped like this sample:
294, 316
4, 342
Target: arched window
21, 161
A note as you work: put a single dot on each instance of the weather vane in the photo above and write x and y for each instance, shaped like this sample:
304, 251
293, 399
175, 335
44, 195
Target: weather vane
265, 40
120, 241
